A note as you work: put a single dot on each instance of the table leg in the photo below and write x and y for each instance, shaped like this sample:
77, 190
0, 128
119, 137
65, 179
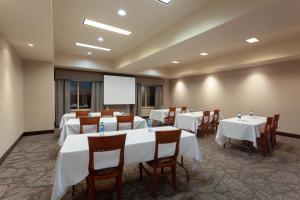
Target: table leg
248, 147
181, 165
73, 191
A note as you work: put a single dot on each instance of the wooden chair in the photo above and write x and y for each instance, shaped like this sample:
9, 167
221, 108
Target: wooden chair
89, 121
215, 121
183, 109
162, 137
125, 119
104, 144
82, 113
107, 113
263, 140
170, 119
204, 126
274, 130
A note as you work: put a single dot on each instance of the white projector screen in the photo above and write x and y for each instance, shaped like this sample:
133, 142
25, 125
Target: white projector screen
119, 90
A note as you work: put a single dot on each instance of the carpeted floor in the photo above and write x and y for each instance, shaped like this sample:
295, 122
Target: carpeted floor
229, 173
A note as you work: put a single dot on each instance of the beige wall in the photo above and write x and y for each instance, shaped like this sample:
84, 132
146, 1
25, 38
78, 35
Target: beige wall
38, 96
11, 96
265, 90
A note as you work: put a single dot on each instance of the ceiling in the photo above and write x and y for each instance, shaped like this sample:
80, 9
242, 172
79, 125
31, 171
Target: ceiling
30, 21
160, 34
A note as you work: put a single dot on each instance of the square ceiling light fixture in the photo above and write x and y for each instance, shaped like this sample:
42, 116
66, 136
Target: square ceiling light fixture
106, 27
165, 1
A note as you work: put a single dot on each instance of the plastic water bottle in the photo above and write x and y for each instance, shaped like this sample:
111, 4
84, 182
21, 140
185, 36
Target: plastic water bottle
251, 113
202, 109
149, 124
102, 128
239, 116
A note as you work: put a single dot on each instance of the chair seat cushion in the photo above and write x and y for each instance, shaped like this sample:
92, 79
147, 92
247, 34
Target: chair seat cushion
161, 161
106, 171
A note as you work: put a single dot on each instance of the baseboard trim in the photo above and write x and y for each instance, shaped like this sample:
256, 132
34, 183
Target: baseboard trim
11, 148
4, 156
292, 135
38, 132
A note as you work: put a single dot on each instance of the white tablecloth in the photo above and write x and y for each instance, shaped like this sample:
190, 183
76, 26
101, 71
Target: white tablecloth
72, 162
191, 121
161, 114
248, 128
72, 115
72, 126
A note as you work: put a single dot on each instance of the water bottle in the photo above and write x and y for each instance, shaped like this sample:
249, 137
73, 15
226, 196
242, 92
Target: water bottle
239, 116
191, 110
149, 123
102, 128
251, 114
202, 109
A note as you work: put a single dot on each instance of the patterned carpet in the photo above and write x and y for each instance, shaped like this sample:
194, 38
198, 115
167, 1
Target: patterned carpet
229, 173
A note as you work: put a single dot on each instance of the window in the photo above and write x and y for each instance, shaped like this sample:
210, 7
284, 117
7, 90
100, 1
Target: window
80, 95
148, 96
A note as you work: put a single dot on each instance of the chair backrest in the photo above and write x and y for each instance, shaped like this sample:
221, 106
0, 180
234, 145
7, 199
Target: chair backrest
107, 113
89, 121
183, 109
275, 122
205, 117
172, 111
216, 115
125, 119
268, 126
104, 144
82, 113
167, 137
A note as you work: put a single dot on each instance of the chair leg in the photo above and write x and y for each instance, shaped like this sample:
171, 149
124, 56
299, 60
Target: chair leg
162, 170
91, 189
264, 148
119, 187
141, 171
174, 176
154, 183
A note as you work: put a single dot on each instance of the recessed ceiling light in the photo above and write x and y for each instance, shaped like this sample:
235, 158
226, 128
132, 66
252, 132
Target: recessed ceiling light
203, 54
92, 46
105, 27
252, 40
122, 12
30, 44
89, 53
165, 1
175, 62
100, 39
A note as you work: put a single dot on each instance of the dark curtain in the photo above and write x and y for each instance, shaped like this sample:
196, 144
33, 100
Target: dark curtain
97, 96
62, 99
138, 100
158, 96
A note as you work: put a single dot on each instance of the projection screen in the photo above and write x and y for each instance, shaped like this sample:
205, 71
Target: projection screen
119, 90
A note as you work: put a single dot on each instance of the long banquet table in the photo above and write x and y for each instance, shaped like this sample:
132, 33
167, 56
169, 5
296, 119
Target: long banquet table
72, 161
72, 126
248, 128
72, 115
190, 121
161, 114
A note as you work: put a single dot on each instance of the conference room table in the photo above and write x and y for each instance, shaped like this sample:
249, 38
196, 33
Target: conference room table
161, 114
247, 128
72, 115
72, 126
72, 161
190, 121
